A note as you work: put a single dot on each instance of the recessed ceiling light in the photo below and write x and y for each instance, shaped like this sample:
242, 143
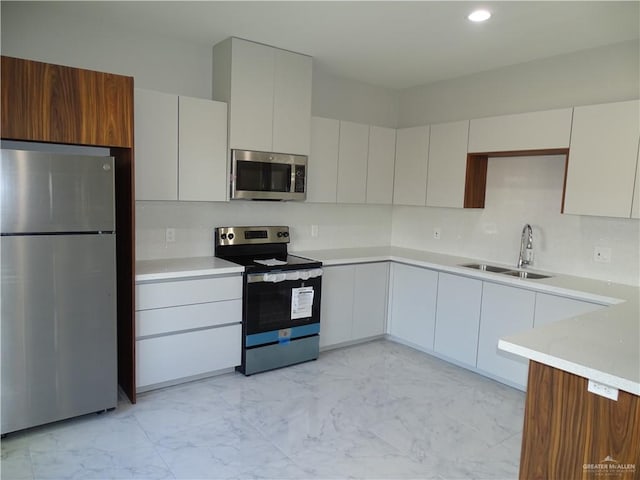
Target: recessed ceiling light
479, 15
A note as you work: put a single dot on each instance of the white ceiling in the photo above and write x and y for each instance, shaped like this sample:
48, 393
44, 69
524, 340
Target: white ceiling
393, 44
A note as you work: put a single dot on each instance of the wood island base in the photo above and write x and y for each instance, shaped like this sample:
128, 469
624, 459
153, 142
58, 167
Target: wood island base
571, 433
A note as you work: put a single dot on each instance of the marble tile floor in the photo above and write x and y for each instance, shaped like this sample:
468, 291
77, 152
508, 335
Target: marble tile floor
378, 410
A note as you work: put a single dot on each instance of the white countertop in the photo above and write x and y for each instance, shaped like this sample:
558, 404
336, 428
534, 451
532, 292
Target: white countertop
603, 346
172, 268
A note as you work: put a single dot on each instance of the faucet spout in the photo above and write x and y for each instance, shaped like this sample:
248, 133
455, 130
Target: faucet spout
526, 247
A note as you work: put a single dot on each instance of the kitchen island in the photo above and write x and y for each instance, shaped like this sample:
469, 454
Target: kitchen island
575, 427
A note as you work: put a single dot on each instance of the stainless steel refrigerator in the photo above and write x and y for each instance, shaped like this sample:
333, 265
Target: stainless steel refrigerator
58, 288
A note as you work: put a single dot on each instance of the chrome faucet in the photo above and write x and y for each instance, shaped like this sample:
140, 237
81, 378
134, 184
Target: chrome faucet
526, 247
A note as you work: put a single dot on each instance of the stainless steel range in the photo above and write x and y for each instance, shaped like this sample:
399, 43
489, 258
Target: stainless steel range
281, 297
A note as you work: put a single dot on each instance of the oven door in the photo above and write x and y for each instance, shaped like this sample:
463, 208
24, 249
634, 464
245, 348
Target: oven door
281, 300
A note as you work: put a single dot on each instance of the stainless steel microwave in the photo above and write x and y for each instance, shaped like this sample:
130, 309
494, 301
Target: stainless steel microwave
268, 176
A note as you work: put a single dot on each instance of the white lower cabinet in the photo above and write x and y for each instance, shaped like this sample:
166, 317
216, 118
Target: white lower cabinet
370, 300
551, 308
413, 305
354, 302
187, 329
458, 318
336, 305
505, 311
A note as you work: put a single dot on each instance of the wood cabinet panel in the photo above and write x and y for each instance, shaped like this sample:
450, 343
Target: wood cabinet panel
570, 432
53, 103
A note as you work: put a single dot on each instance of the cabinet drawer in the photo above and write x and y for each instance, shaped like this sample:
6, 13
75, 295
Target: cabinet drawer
174, 319
164, 359
187, 292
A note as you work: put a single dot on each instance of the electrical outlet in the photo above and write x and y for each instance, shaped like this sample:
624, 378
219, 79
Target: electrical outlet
314, 230
602, 254
603, 390
437, 232
170, 235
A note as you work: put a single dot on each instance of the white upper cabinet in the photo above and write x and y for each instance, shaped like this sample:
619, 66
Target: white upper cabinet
380, 165
602, 159
322, 181
412, 151
524, 131
292, 103
269, 96
181, 147
352, 162
447, 169
156, 145
202, 150
635, 209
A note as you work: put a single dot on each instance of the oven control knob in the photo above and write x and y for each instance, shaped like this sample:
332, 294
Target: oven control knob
230, 236
280, 234
285, 234
223, 236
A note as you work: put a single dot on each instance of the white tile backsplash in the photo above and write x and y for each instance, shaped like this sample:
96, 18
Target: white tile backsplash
339, 226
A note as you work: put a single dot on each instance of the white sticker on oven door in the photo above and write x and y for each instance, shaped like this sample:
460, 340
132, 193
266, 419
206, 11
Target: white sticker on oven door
301, 302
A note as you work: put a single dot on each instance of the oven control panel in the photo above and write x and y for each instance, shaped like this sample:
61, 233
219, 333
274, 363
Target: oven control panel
251, 235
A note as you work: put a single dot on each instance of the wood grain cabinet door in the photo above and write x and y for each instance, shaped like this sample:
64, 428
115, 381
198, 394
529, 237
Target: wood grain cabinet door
53, 103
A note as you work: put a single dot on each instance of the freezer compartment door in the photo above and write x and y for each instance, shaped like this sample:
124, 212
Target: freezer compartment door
58, 319
43, 192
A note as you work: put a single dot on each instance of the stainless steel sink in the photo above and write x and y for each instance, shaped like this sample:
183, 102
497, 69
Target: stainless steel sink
486, 268
526, 275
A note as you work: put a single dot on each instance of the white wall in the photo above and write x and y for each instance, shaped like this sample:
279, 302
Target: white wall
346, 99
40, 31
599, 75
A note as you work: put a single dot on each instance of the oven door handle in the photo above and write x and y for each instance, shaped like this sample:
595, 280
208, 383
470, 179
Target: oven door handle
277, 277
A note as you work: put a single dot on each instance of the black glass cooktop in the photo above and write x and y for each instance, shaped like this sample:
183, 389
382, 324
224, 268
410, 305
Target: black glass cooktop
273, 262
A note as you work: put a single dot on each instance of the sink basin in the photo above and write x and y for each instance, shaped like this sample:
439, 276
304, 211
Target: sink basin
485, 268
528, 275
